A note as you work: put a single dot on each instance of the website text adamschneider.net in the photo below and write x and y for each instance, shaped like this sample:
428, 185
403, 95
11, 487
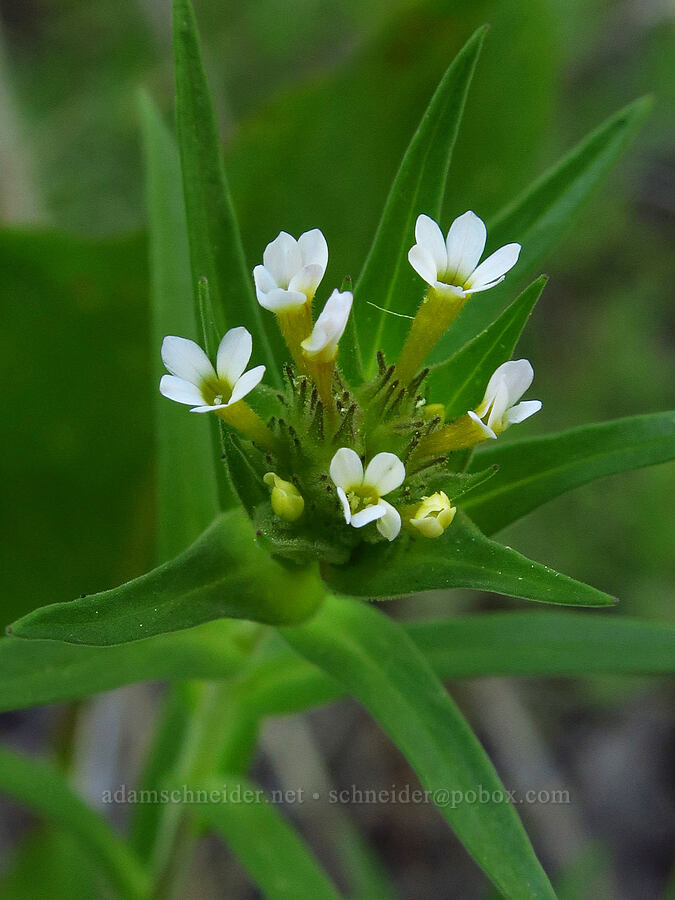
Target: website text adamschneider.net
237, 793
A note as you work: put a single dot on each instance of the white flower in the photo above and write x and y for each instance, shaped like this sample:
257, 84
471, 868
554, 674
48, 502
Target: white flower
433, 515
195, 382
329, 327
361, 492
291, 271
450, 265
500, 407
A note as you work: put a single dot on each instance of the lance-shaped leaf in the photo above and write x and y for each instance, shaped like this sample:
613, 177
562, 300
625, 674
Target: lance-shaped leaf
540, 215
274, 855
460, 382
514, 643
538, 644
373, 658
186, 474
534, 471
544, 643
419, 187
38, 672
224, 574
216, 250
42, 788
461, 557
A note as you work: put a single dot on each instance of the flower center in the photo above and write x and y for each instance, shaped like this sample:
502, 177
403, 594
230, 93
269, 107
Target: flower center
361, 496
215, 393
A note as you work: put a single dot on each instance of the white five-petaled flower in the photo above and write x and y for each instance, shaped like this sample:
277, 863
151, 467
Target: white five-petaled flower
195, 382
450, 264
291, 271
500, 407
329, 327
361, 492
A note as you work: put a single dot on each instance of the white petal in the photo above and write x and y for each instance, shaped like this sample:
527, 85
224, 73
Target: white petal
318, 341
385, 473
329, 326
423, 263
523, 411
429, 236
263, 280
518, 375
346, 469
465, 243
369, 514
488, 433
307, 279
500, 406
346, 508
429, 526
494, 267
234, 353
314, 249
450, 290
186, 359
485, 287
205, 409
282, 258
246, 383
180, 390
389, 524
280, 299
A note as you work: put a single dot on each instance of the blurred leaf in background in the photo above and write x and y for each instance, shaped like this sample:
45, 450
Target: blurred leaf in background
76, 435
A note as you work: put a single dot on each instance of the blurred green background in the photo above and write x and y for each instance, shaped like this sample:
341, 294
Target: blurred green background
317, 101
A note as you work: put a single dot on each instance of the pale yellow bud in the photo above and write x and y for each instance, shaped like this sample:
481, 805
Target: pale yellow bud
287, 501
433, 515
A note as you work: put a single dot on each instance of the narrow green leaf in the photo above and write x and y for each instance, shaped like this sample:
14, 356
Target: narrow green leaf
38, 672
461, 557
460, 382
419, 187
33, 673
223, 574
186, 474
42, 788
216, 250
274, 855
538, 644
534, 471
538, 218
50, 862
374, 659
545, 643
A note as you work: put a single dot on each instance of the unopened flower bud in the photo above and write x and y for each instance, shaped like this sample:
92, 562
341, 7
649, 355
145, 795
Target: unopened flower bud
287, 501
433, 515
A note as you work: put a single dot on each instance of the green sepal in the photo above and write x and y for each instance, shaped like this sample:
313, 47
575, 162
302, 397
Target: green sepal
243, 465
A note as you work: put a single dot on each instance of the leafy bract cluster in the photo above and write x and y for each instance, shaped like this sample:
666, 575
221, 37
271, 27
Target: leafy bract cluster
334, 450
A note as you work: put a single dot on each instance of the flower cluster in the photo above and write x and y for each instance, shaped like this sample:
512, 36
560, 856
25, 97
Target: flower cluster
322, 465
